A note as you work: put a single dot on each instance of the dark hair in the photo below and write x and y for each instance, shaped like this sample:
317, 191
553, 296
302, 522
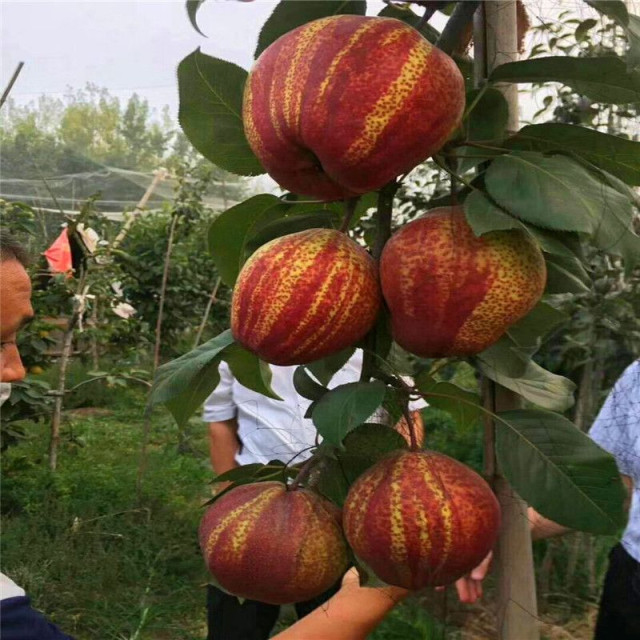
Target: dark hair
11, 249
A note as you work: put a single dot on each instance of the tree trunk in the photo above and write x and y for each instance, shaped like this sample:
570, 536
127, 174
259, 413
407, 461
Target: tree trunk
495, 43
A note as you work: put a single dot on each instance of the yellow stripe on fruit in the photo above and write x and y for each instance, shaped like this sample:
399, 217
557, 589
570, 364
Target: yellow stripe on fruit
391, 103
255, 141
355, 515
296, 267
353, 40
436, 486
298, 71
396, 524
246, 516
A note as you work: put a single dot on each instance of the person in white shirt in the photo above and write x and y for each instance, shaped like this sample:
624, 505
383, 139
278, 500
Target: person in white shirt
246, 427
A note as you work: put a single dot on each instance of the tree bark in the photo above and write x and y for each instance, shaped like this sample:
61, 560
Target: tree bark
495, 42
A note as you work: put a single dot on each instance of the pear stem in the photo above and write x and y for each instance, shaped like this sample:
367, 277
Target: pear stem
412, 427
349, 210
304, 472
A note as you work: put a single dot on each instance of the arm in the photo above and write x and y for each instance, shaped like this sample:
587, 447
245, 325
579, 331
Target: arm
351, 614
223, 445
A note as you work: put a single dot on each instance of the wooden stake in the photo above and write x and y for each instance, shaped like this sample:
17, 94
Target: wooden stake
495, 43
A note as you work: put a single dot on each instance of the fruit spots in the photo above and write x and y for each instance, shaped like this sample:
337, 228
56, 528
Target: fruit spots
266, 542
420, 518
453, 294
389, 105
385, 113
305, 295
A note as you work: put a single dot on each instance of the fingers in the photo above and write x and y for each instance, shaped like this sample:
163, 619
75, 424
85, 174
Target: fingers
480, 572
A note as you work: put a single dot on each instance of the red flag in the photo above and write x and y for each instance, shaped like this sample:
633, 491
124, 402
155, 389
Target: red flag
58, 255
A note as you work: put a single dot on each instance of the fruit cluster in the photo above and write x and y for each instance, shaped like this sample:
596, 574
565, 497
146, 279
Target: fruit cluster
329, 120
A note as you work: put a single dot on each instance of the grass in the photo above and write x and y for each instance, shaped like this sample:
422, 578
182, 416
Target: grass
97, 561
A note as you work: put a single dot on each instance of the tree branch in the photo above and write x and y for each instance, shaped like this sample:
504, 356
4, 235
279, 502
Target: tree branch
456, 26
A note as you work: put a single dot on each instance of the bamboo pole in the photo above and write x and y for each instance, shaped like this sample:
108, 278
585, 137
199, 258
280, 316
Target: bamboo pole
65, 356
158, 176
495, 43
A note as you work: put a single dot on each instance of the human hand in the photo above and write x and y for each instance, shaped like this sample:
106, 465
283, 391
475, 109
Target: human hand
469, 587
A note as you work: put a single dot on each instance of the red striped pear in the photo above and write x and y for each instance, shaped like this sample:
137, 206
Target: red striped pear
304, 296
451, 293
420, 518
267, 542
342, 105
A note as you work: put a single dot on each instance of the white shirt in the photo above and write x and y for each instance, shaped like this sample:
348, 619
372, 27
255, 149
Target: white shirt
617, 430
274, 429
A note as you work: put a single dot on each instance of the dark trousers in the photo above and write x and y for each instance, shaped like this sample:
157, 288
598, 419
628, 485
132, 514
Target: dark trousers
227, 619
619, 615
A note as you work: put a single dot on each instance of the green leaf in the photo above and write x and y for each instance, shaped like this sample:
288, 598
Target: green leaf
249, 370
605, 79
192, 9
566, 274
558, 193
254, 472
557, 243
463, 405
614, 154
290, 14
583, 28
210, 113
404, 13
529, 332
486, 123
537, 385
545, 191
231, 230
483, 216
363, 447
505, 358
325, 368
306, 386
560, 471
345, 408
185, 383
617, 11
288, 224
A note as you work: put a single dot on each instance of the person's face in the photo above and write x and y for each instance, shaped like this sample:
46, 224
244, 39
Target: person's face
15, 312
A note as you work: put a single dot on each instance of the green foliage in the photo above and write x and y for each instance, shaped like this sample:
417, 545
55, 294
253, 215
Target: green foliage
463, 405
617, 155
557, 193
576, 471
344, 408
486, 123
183, 384
210, 114
339, 467
605, 79
617, 10
28, 402
193, 7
